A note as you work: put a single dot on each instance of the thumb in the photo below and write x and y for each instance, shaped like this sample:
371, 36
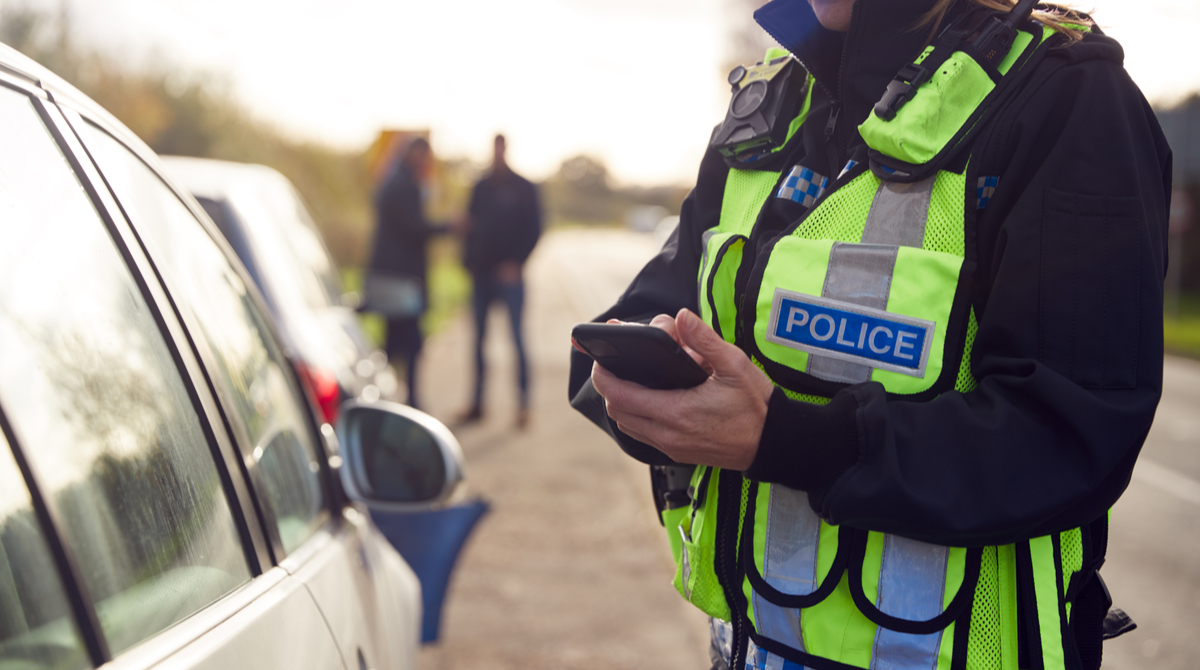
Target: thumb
701, 338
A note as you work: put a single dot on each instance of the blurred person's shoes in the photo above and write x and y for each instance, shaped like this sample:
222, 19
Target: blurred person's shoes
523, 418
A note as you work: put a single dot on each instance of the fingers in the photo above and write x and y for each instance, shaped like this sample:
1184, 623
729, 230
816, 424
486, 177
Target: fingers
730, 365
666, 323
577, 347
627, 398
701, 338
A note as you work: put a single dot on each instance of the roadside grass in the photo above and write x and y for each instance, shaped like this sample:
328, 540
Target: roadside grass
1181, 328
449, 291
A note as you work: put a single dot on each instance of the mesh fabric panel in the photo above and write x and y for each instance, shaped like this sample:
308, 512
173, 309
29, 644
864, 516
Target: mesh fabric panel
944, 229
707, 594
745, 193
1072, 558
984, 644
811, 399
966, 381
843, 217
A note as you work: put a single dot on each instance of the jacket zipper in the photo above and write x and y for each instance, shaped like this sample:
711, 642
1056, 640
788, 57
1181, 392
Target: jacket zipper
729, 496
729, 502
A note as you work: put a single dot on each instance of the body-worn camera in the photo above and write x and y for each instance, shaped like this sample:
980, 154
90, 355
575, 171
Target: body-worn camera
765, 98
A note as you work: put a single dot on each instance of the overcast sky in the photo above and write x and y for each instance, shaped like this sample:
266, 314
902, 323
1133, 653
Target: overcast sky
635, 82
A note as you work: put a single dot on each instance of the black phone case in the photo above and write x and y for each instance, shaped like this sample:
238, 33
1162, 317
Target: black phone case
642, 354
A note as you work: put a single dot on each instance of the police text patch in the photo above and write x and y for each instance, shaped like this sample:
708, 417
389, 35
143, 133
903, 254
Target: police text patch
850, 332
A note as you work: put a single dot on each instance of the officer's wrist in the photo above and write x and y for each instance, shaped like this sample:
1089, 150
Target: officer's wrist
804, 446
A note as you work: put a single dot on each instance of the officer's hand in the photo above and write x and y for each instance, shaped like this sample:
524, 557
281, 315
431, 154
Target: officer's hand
716, 423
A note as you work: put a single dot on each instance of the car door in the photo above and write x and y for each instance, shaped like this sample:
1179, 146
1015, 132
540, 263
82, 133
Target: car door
124, 532
367, 594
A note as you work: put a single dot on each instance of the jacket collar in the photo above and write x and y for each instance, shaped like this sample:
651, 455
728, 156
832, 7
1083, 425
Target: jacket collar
853, 68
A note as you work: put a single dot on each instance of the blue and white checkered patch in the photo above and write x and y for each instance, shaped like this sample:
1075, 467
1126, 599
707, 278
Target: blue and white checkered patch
987, 187
850, 164
803, 186
757, 658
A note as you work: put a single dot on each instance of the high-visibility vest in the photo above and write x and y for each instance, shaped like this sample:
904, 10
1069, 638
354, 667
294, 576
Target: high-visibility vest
868, 286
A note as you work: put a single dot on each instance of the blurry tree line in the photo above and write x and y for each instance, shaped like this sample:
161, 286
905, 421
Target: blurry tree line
195, 114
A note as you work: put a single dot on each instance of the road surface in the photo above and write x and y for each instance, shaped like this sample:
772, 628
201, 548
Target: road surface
571, 570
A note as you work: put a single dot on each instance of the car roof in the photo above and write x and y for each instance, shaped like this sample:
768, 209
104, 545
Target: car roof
217, 179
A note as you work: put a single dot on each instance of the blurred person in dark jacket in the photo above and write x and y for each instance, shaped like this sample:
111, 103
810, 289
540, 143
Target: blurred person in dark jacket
396, 279
505, 220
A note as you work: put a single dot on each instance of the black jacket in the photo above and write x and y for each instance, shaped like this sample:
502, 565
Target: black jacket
1070, 256
506, 220
401, 231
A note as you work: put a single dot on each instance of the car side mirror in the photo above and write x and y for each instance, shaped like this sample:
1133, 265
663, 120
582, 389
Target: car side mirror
397, 458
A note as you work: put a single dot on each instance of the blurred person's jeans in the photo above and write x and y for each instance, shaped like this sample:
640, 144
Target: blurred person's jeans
486, 290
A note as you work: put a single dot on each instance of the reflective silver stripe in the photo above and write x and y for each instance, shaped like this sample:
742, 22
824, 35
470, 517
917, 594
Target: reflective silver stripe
721, 635
912, 585
686, 567
862, 273
898, 214
701, 289
778, 623
859, 274
792, 539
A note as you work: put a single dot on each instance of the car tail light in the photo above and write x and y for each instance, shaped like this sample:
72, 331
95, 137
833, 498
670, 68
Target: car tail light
324, 389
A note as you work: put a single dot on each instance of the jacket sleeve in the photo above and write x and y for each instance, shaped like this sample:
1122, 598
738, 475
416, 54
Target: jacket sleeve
1068, 355
664, 286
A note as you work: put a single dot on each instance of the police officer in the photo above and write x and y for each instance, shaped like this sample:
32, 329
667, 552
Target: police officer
931, 303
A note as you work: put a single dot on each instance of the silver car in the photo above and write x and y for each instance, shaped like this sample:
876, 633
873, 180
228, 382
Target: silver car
169, 495
265, 221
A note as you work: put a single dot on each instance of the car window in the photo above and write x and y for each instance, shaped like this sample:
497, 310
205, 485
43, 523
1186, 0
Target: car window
36, 626
323, 285
97, 404
288, 241
268, 410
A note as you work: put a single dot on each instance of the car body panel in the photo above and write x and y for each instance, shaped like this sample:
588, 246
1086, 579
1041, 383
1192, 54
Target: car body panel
285, 613
350, 562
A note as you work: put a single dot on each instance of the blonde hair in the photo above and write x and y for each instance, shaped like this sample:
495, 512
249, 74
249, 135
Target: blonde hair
1064, 20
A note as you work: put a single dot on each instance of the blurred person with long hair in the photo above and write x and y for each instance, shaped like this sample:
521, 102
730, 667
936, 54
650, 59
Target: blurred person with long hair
929, 294
397, 275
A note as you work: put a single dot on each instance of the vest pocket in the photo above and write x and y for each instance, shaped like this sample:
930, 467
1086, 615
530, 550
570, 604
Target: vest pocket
797, 559
695, 528
908, 586
718, 270
829, 314
862, 598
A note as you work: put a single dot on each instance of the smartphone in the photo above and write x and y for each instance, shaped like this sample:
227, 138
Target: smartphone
642, 354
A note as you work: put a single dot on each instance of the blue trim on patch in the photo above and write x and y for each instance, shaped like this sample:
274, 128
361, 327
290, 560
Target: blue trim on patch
987, 188
849, 166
